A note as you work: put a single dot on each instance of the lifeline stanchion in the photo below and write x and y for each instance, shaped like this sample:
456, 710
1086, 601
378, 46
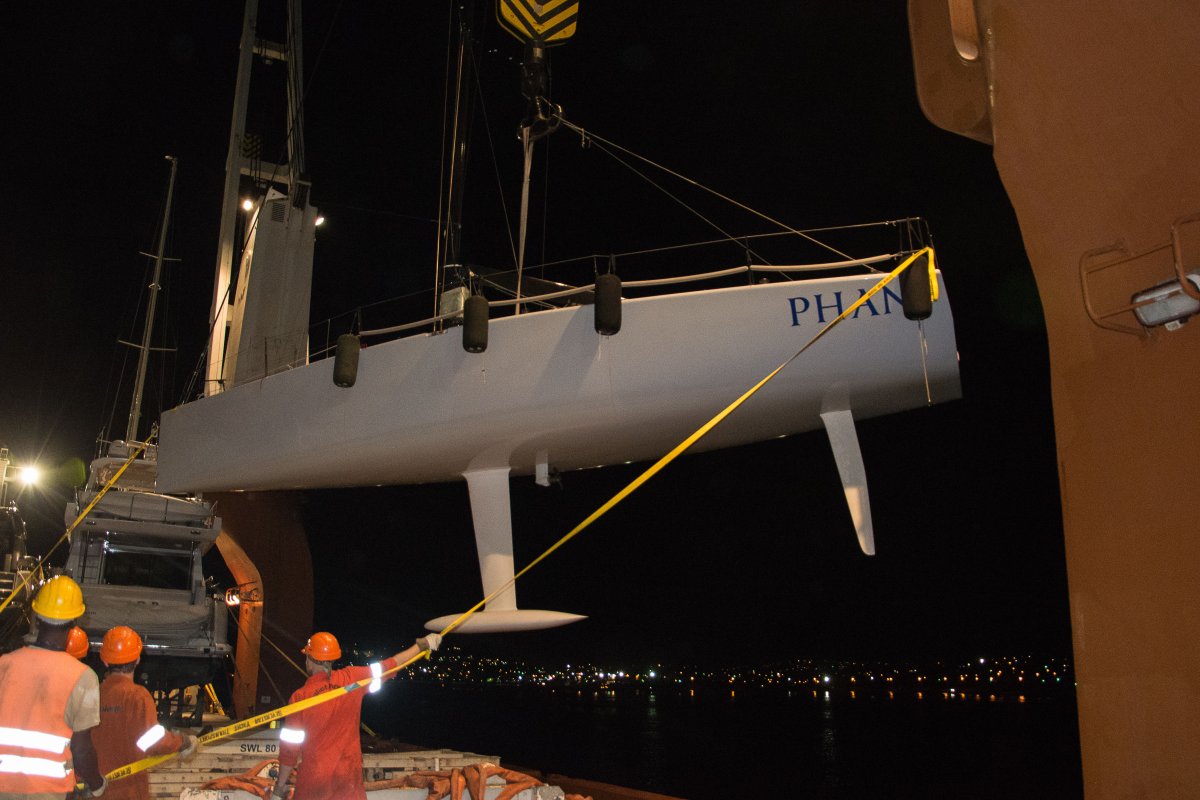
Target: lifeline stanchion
650, 472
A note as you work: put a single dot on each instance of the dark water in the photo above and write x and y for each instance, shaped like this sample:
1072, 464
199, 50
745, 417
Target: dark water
754, 744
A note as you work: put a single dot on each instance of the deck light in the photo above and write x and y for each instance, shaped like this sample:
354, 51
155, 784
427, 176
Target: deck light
28, 475
247, 204
319, 221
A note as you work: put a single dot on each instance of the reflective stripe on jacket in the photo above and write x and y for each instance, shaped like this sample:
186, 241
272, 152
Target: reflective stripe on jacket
35, 740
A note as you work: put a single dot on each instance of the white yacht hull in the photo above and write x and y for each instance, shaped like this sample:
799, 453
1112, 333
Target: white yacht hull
551, 391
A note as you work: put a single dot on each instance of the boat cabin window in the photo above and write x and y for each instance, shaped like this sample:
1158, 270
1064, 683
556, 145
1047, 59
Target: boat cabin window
156, 569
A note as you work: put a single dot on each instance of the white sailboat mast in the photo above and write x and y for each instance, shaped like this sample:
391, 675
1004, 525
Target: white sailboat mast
139, 384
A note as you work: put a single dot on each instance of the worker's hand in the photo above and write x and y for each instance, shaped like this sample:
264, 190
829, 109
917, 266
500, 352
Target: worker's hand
430, 641
88, 791
190, 743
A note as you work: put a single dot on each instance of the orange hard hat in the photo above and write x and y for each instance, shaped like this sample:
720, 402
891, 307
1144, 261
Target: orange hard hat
121, 645
322, 646
77, 642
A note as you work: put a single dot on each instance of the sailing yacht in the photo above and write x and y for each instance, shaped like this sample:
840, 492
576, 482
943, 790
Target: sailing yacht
573, 377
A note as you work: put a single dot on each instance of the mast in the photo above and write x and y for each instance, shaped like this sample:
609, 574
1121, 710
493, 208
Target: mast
450, 279
139, 384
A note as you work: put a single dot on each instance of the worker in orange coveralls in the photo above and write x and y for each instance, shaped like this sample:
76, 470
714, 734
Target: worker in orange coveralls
324, 738
129, 729
77, 643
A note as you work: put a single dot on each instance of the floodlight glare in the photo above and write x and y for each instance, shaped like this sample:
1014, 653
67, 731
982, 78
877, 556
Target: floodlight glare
247, 204
1167, 304
30, 475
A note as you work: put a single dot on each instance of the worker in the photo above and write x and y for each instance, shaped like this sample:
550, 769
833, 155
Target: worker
129, 728
49, 704
77, 643
324, 739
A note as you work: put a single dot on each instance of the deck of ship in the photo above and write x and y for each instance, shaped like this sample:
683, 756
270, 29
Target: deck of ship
176, 779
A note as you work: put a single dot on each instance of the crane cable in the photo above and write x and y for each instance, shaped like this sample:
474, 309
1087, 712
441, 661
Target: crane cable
333, 694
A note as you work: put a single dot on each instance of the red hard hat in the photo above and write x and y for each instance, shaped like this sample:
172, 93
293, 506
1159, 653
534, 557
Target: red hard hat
77, 642
121, 645
322, 646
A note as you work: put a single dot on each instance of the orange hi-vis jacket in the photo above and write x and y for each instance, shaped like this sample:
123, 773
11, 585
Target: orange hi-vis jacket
325, 738
128, 732
35, 740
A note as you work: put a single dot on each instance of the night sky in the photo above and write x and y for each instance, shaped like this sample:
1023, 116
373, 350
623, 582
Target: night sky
805, 111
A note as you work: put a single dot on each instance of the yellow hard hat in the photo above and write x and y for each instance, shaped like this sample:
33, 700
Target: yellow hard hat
60, 598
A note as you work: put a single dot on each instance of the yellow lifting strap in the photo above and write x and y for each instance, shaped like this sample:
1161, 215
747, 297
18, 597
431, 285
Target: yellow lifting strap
333, 694
933, 284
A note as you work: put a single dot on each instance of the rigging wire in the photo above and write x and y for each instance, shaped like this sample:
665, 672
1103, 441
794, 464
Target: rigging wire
437, 257
707, 242
487, 126
729, 236
589, 137
546, 161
